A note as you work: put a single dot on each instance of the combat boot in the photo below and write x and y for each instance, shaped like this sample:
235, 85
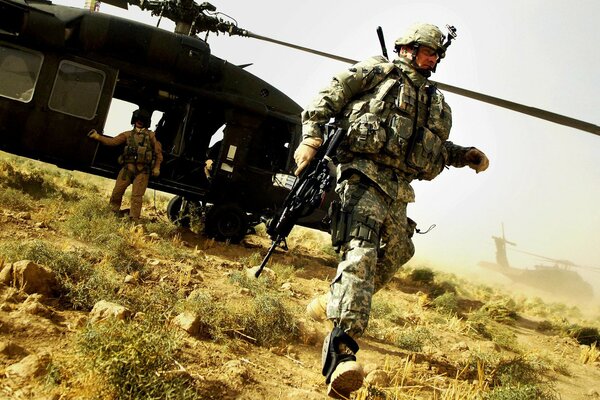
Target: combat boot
342, 373
317, 308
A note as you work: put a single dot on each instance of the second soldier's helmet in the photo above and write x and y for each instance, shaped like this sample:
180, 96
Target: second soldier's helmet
141, 115
423, 35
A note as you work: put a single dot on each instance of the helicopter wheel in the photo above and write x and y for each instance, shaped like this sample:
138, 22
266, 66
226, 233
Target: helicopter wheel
178, 211
226, 222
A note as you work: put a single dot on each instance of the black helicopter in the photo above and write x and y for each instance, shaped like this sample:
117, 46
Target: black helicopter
558, 277
60, 68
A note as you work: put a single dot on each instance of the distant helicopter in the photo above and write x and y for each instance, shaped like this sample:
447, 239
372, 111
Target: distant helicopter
60, 68
559, 278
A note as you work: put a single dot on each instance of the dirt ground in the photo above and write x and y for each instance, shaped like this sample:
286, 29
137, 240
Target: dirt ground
241, 370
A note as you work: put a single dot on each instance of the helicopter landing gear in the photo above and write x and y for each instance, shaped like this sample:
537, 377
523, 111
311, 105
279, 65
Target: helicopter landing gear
226, 222
179, 211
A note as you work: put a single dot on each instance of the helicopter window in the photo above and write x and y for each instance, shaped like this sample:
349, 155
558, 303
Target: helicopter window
77, 90
19, 70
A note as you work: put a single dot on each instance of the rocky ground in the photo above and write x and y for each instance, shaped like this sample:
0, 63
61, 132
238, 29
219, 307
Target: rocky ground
451, 359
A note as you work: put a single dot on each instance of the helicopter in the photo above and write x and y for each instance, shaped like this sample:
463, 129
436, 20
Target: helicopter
554, 276
62, 67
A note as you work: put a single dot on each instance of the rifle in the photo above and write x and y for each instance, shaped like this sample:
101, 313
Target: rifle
306, 195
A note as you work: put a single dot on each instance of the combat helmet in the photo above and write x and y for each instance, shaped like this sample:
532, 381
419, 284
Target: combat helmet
141, 115
423, 35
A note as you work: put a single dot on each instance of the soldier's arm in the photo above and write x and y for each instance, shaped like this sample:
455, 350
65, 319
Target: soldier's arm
467, 156
158, 156
113, 141
456, 154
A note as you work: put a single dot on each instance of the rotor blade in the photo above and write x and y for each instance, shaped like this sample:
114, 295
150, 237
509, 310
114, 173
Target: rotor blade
531, 111
294, 46
561, 262
117, 3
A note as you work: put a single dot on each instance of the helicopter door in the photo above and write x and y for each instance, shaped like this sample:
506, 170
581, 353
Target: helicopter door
75, 101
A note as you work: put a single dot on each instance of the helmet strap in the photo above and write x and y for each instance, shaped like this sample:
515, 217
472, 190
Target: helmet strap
415, 50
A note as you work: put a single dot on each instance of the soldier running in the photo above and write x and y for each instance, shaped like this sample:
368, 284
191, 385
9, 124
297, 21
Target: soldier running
397, 126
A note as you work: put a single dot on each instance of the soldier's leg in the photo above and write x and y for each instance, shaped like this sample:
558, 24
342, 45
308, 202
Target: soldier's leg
396, 244
140, 183
123, 181
351, 290
349, 304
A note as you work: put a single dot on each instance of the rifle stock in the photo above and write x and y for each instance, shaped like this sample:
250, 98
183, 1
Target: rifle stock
305, 196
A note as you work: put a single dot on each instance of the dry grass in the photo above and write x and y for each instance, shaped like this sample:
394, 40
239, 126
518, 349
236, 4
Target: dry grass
590, 354
134, 360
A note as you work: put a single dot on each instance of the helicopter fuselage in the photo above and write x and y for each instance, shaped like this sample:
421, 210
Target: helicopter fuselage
61, 67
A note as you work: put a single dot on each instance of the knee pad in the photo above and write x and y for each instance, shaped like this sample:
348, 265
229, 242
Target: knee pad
332, 356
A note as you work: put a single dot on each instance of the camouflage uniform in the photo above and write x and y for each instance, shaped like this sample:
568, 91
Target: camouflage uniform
143, 152
397, 130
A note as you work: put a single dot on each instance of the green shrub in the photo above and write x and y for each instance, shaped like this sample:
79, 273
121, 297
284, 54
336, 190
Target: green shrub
269, 321
520, 392
215, 318
446, 303
91, 220
15, 199
133, 358
422, 275
414, 338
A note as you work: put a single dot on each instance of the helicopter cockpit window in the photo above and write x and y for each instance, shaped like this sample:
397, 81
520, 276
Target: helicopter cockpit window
77, 90
19, 71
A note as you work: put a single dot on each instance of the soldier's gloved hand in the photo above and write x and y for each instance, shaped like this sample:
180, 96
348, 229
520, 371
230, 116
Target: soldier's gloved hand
155, 171
208, 165
305, 152
477, 160
93, 134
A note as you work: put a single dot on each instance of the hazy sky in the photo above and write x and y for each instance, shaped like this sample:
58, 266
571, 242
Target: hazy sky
544, 179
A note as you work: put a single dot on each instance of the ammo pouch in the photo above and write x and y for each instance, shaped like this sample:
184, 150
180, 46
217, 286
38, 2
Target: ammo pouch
138, 153
345, 225
129, 154
427, 154
366, 135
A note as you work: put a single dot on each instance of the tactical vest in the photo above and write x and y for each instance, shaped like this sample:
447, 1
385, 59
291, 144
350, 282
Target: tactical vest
398, 125
138, 149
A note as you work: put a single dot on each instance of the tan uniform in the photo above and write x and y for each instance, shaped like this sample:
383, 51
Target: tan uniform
136, 170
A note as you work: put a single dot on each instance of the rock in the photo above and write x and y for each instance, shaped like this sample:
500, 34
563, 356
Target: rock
104, 309
593, 393
25, 215
460, 346
32, 366
33, 278
12, 350
236, 372
6, 275
36, 308
378, 377
188, 321
129, 279
266, 272
309, 333
370, 367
